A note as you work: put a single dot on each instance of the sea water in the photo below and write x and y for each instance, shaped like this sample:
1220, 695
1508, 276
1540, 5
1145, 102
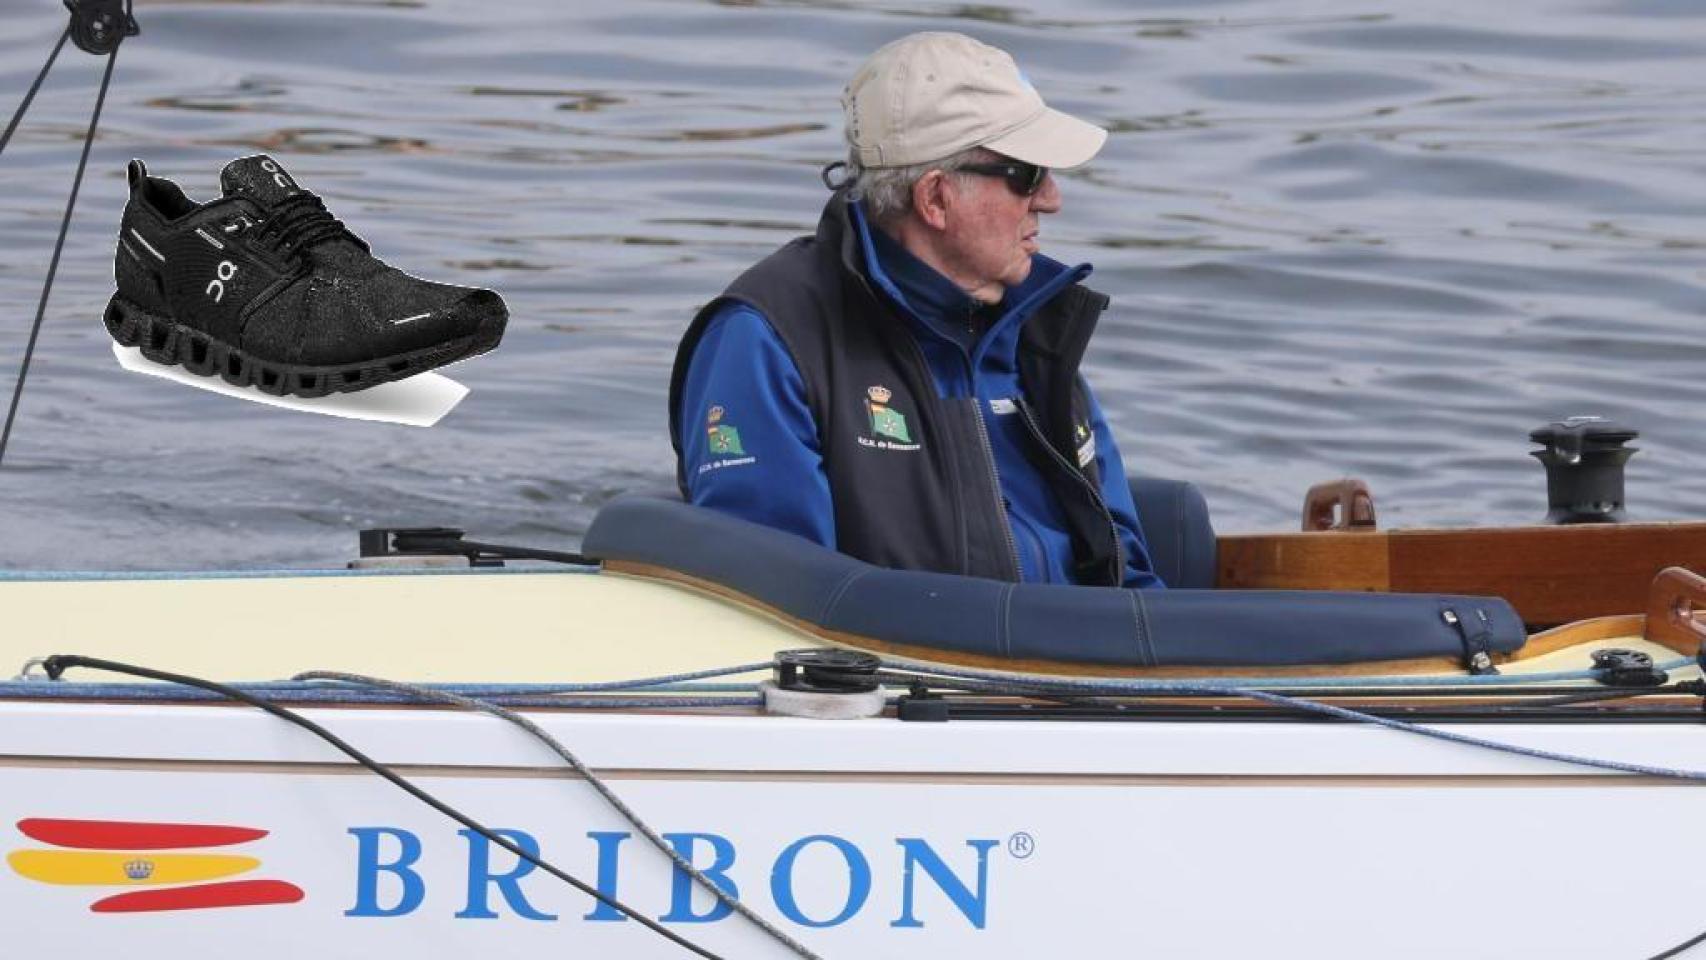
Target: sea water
1375, 238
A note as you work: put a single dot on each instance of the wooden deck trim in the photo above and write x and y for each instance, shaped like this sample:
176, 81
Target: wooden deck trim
1551, 575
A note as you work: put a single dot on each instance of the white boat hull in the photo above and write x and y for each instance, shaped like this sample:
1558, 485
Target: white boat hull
873, 837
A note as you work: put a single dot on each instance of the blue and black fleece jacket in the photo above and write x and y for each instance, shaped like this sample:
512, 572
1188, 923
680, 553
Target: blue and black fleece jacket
778, 478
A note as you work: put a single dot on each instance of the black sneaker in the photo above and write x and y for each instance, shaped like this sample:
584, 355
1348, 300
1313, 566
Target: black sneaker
264, 286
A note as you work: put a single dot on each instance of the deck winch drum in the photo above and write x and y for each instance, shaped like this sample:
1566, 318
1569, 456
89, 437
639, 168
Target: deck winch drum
1584, 458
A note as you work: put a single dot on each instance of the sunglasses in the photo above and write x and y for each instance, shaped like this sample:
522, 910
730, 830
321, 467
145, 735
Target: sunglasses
1022, 178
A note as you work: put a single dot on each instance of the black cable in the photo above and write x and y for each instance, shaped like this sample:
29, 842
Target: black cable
1679, 948
1621, 693
58, 664
55, 667
6, 137
1042, 690
58, 248
490, 708
1029, 687
1536, 696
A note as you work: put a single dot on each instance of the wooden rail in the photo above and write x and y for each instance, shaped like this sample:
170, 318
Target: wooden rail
1551, 575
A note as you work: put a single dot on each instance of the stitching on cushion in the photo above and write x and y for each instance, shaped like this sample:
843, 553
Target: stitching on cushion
839, 592
1148, 631
1145, 655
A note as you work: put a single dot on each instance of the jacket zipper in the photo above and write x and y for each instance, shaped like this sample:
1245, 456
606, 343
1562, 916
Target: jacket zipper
923, 364
995, 487
1033, 541
1117, 564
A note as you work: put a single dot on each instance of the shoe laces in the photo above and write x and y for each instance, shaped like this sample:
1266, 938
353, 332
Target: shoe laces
301, 222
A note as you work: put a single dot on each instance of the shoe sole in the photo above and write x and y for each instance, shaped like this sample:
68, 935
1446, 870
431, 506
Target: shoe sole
164, 340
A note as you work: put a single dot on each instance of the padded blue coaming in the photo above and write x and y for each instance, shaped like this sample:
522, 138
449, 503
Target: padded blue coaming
1175, 525
1091, 625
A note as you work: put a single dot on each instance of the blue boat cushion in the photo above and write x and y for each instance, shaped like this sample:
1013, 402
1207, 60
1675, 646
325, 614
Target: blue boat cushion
1090, 625
1175, 523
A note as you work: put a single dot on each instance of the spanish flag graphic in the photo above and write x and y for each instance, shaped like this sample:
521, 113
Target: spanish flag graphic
164, 859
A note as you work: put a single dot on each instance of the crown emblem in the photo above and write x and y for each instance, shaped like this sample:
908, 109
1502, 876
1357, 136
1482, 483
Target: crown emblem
879, 394
139, 869
715, 414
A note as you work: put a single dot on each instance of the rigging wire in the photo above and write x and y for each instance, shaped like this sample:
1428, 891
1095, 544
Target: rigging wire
64, 223
1031, 685
55, 666
681, 862
29, 97
1680, 948
1096, 693
921, 674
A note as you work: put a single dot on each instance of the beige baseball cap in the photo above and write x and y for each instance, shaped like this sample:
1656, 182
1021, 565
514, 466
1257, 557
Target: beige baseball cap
930, 95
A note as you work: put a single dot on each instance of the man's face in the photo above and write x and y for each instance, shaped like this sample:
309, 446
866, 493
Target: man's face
993, 232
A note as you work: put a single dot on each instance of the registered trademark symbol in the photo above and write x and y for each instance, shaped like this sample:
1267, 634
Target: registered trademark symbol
1021, 845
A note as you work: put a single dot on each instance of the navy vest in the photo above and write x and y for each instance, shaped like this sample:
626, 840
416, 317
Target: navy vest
911, 473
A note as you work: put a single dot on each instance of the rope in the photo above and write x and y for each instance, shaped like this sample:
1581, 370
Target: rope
55, 666
658, 681
1033, 684
981, 680
29, 97
155, 693
1680, 948
59, 246
30, 685
1268, 683
681, 862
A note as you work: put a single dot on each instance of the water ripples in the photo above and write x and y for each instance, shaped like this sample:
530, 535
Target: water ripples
1378, 242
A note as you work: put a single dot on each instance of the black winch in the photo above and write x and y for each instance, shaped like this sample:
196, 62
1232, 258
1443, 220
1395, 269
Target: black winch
827, 671
1584, 458
1627, 668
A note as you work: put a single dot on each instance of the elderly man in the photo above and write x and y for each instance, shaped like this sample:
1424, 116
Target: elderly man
903, 386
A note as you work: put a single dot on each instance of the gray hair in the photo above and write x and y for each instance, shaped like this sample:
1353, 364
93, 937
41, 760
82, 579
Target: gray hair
886, 192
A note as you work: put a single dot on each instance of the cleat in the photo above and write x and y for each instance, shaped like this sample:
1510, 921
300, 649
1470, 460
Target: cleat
264, 287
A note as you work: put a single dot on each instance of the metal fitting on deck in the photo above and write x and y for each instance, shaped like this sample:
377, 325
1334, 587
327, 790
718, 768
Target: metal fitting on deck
825, 684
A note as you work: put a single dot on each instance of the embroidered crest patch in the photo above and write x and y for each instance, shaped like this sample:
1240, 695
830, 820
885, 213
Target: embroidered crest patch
889, 429
885, 421
723, 438
722, 443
